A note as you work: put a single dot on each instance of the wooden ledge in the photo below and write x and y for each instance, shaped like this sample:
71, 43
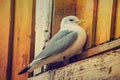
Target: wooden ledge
102, 67
100, 49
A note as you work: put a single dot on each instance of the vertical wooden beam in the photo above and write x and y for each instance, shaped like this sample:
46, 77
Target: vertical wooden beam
62, 8
4, 36
104, 21
43, 25
117, 24
32, 45
22, 37
11, 36
87, 10
113, 19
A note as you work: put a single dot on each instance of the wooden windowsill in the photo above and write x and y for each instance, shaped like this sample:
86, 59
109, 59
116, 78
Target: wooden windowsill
104, 66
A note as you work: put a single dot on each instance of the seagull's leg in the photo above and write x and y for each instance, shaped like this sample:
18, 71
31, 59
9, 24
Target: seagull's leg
42, 69
48, 67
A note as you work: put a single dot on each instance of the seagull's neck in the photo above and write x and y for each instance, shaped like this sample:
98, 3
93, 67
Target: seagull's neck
71, 27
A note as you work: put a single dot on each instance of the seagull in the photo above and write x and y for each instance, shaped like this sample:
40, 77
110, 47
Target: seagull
67, 42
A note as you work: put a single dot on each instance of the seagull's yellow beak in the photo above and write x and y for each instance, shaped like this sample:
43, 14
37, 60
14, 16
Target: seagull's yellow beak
80, 21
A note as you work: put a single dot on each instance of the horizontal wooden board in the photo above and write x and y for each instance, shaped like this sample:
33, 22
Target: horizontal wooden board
102, 67
100, 49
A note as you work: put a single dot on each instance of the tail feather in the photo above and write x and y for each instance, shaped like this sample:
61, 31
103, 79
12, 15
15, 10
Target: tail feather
24, 70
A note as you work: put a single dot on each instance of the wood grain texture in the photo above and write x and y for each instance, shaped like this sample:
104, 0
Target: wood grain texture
4, 36
104, 21
22, 37
100, 49
62, 8
102, 67
86, 10
113, 19
117, 25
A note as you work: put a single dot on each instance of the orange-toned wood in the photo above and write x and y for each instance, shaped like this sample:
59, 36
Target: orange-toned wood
100, 49
117, 24
113, 17
4, 36
104, 18
62, 8
86, 10
22, 37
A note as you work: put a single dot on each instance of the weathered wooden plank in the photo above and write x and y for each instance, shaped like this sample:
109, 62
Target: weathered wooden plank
117, 25
5, 8
22, 37
104, 21
43, 24
87, 10
45, 76
103, 67
62, 8
100, 49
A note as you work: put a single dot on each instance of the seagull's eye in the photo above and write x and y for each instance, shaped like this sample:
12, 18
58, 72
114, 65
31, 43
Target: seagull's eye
71, 20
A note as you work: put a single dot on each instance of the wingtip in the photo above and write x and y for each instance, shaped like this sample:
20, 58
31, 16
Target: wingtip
24, 70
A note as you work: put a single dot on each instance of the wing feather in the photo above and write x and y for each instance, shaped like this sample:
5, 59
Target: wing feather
60, 42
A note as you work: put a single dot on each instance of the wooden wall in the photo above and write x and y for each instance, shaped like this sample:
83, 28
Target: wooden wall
62, 8
16, 37
101, 18
17, 28
5, 18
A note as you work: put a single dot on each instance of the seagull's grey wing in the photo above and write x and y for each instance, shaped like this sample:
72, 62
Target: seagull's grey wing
61, 41
59, 35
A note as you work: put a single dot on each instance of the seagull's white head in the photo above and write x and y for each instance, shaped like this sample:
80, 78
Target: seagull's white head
69, 21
